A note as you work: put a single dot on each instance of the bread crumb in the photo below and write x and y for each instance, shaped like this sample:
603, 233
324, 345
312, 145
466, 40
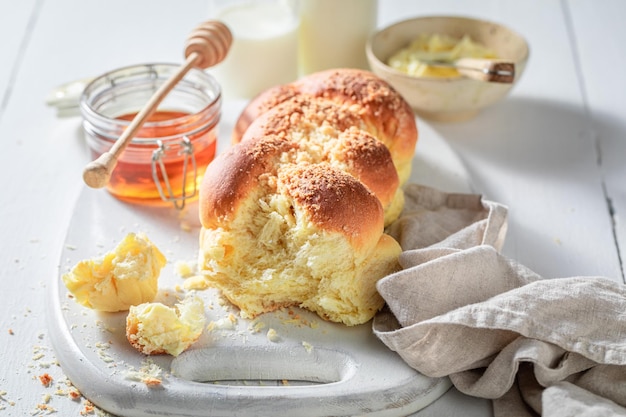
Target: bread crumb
225, 323
45, 379
196, 282
43, 408
185, 226
185, 269
74, 394
102, 352
272, 336
11, 332
150, 373
257, 327
39, 352
4, 400
151, 382
307, 346
103, 326
88, 409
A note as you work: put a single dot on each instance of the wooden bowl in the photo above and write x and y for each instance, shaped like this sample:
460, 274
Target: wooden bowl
449, 98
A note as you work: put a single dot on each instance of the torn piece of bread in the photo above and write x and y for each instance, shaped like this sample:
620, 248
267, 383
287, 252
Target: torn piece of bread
154, 328
126, 276
279, 231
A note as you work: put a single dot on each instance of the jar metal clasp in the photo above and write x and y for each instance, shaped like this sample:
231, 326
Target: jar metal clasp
158, 167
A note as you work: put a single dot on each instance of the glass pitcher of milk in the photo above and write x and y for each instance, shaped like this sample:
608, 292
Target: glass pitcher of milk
264, 51
333, 33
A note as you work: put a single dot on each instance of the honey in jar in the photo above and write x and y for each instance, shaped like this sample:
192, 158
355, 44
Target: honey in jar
167, 157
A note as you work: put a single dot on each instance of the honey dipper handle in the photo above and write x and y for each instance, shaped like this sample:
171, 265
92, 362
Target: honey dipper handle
206, 46
97, 173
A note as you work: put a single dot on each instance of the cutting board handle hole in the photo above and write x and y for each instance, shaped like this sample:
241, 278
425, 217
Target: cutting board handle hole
263, 365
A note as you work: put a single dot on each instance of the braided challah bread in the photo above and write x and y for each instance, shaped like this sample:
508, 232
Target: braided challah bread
293, 214
380, 110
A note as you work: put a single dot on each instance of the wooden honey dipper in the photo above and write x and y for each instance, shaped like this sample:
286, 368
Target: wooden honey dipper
207, 45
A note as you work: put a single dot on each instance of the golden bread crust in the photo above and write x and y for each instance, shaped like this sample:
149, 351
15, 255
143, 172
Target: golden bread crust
335, 201
383, 112
233, 174
320, 126
304, 114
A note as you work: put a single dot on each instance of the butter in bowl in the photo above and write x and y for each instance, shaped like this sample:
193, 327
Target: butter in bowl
448, 68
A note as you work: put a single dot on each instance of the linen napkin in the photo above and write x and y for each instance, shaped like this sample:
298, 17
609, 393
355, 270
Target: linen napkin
459, 308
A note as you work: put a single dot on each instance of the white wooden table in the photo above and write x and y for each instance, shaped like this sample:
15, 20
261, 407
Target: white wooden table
554, 152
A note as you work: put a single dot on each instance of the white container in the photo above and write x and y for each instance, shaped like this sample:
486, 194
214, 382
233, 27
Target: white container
333, 33
264, 51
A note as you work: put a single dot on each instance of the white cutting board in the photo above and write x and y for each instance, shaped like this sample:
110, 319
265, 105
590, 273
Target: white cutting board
311, 367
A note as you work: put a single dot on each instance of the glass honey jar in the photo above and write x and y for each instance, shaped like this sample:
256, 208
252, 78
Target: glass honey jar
166, 160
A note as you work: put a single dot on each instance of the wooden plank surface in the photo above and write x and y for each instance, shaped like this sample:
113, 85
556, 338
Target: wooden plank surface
600, 56
16, 23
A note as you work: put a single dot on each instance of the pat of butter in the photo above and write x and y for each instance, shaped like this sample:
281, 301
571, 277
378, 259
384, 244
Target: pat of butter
413, 59
124, 277
157, 328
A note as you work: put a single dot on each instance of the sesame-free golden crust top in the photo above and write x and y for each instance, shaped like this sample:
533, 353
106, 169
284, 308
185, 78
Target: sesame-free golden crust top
315, 123
368, 160
302, 113
385, 112
334, 200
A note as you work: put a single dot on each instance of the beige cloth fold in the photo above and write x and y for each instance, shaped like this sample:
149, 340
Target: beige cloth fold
458, 308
